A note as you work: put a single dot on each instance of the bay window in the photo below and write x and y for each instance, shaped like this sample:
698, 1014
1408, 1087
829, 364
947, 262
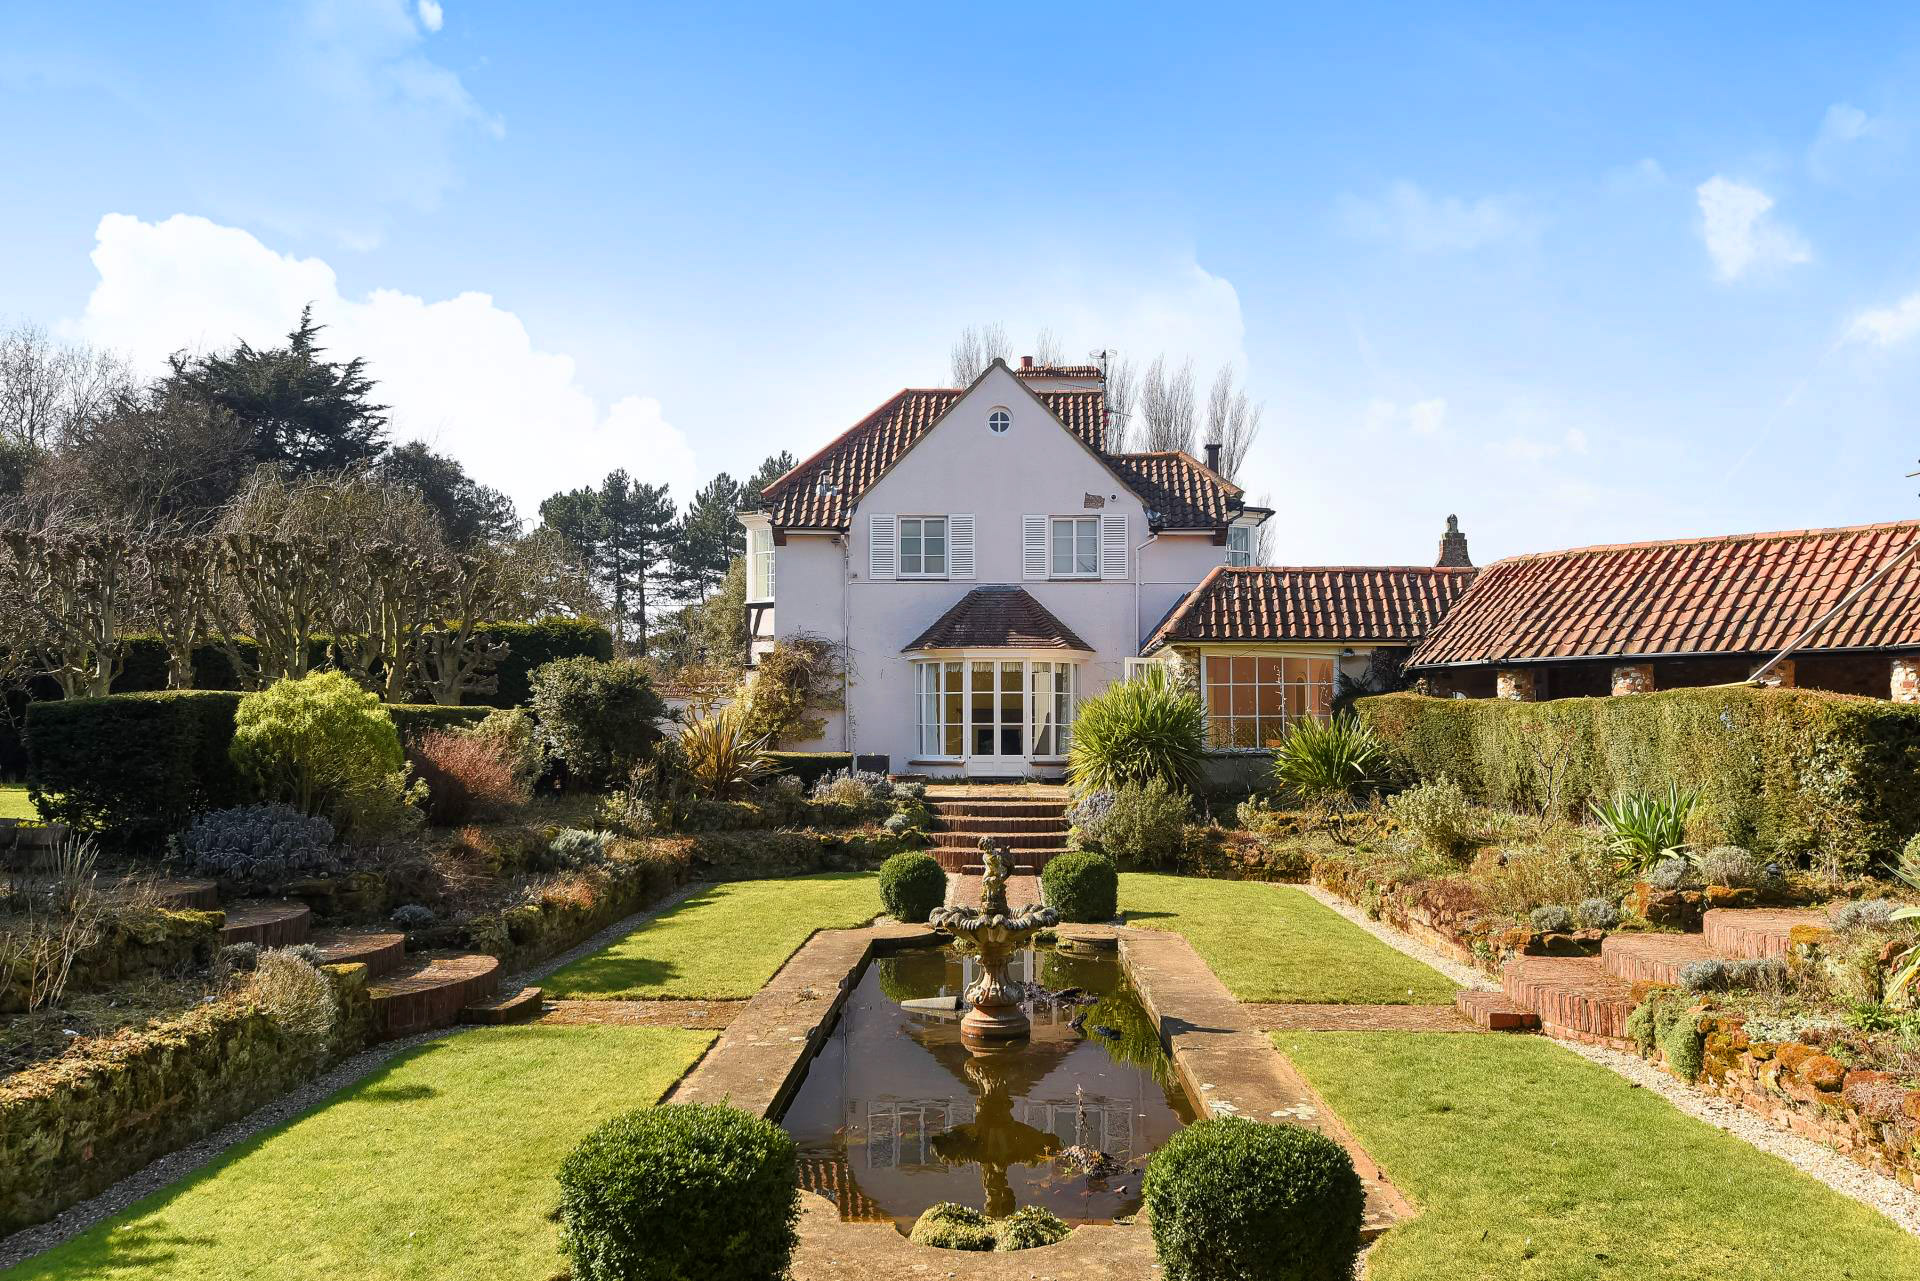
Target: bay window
760, 564
993, 707
1251, 700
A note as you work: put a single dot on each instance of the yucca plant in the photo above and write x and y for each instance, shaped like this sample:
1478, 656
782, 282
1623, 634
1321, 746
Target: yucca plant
1326, 762
720, 756
1903, 980
1644, 827
1135, 731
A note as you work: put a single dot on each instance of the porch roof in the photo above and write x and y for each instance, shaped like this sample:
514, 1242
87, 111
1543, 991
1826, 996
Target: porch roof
998, 617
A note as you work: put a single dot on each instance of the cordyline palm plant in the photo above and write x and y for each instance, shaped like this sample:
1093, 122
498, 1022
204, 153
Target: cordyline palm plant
1326, 762
720, 756
1137, 730
1903, 984
1644, 827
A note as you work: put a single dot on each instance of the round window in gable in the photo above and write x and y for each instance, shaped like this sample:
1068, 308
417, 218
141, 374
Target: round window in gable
999, 421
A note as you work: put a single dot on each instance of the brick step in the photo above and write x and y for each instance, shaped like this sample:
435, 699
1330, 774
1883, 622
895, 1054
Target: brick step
1494, 1012
430, 990
1755, 932
188, 894
1015, 849
269, 923
518, 1008
1652, 958
381, 952
997, 809
1574, 996
969, 861
1002, 826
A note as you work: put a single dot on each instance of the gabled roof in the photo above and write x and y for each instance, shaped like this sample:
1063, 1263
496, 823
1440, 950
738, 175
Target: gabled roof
998, 618
821, 492
1179, 490
1347, 604
1741, 594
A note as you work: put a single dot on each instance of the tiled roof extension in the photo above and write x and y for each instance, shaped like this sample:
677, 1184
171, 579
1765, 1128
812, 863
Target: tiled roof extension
1360, 604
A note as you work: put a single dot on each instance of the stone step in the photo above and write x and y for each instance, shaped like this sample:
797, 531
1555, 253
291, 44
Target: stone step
430, 990
267, 922
381, 952
1652, 958
978, 826
1574, 996
1752, 933
518, 1008
1495, 1012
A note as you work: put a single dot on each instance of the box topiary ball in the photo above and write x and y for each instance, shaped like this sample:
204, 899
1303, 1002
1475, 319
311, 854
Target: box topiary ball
911, 886
678, 1191
950, 1226
1230, 1198
1082, 887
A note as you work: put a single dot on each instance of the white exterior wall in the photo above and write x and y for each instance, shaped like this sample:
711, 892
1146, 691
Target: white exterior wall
1170, 567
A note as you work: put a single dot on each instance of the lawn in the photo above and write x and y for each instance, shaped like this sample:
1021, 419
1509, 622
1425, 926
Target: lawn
440, 1164
14, 803
1528, 1162
1275, 943
726, 941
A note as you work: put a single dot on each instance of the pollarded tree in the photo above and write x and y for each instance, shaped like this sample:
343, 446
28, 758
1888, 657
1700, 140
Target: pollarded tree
80, 593
280, 595
185, 582
455, 659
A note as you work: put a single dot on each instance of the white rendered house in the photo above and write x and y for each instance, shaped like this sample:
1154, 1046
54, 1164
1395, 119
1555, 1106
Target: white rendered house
988, 564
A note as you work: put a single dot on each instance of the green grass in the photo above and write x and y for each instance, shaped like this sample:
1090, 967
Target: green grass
1275, 943
441, 1164
725, 941
14, 803
1529, 1163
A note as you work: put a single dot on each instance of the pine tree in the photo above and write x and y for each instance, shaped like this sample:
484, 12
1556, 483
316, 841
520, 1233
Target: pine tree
706, 541
776, 466
302, 412
638, 524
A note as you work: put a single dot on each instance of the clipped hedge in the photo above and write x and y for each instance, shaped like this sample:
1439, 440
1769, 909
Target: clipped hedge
1779, 770
73, 1126
911, 886
138, 767
1081, 886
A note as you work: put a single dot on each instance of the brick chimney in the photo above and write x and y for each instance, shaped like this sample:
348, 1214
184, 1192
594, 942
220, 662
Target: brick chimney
1213, 457
1453, 547
1026, 362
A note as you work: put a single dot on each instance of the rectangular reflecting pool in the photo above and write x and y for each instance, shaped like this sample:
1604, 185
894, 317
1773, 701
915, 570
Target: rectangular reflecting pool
895, 1114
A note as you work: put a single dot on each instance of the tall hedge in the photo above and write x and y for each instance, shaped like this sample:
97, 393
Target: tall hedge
1779, 771
137, 767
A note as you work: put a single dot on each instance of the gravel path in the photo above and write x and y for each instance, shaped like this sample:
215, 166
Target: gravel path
1843, 1175
165, 1171
1464, 975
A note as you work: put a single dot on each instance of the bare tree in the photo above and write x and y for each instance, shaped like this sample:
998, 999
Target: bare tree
1233, 422
1266, 538
1166, 407
162, 457
1122, 381
46, 390
1046, 349
976, 348
185, 578
80, 594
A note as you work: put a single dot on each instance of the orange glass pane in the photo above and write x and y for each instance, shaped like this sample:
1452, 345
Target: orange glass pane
1296, 701
1218, 733
1269, 669
1320, 670
1243, 671
1320, 700
1244, 700
1272, 731
1270, 698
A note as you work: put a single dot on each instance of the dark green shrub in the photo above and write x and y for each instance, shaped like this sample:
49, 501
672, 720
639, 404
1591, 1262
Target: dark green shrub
1231, 1199
531, 646
809, 767
680, 1191
1082, 886
133, 766
1137, 730
1779, 771
600, 718
911, 886
414, 719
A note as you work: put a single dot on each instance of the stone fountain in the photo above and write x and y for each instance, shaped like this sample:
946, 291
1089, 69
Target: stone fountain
995, 1017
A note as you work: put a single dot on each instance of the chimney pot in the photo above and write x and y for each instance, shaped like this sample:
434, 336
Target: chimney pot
1213, 457
1026, 362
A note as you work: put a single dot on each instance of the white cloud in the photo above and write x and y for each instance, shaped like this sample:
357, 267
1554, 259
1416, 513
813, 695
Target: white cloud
1410, 218
461, 373
432, 17
1740, 233
1886, 326
1183, 310
1576, 441
1427, 417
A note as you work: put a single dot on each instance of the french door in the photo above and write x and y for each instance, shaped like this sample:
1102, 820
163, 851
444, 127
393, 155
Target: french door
994, 714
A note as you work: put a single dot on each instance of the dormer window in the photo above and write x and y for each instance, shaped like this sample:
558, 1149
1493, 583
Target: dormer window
999, 422
1239, 546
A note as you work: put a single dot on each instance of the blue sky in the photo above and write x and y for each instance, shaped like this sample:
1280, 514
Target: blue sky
1578, 277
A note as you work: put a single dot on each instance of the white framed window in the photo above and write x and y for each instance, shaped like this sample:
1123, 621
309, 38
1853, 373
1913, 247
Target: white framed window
1252, 699
760, 564
999, 421
1138, 669
977, 707
1239, 546
1050, 707
1076, 546
923, 547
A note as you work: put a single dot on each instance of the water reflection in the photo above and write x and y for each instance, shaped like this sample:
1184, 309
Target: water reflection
896, 1113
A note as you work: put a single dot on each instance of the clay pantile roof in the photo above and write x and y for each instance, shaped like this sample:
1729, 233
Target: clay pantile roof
820, 492
1057, 371
1361, 604
1740, 594
1179, 490
998, 618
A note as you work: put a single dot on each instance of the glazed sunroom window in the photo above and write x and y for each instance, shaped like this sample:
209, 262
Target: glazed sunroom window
1251, 700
